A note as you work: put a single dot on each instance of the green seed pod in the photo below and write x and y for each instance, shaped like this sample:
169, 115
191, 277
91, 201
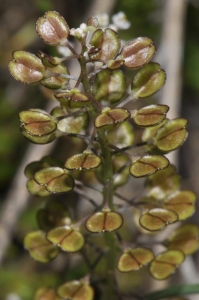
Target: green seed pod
56, 82
109, 85
72, 98
76, 290
73, 124
134, 259
35, 189
157, 219
92, 23
37, 122
39, 248
26, 67
66, 238
52, 28
85, 161
47, 60
121, 136
148, 165
105, 220
172, 135
56, 180
137, 52
165, 264
185, 238
163, 183
181, 202
106, 43
148, 81
109, 118
150, 115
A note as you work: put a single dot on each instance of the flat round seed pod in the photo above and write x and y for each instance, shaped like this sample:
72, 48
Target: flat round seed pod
172, 135
181, 202
138, 52
165, 264
134, 259
109, 85
26, 67
121, 136
37, 122
47, 60
72, 98
43, 139
148, 80
35, 189
72, 124
52, 28
106, 43
104, 221
111, 117
84, 161
66, 238
56, 82
44, 176
185, 238
39, 247
148, 165
61, 184
76, 290
150, 115
157, 219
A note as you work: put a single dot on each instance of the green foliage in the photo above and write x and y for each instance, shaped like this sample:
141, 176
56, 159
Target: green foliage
94, 110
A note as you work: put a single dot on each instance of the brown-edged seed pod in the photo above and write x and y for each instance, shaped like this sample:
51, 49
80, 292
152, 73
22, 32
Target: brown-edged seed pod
148, 80
37, 122
67, 238
26, 67
109, 118
148, 165
106, 42
55, 179
134, 259
105, 220
109, 85
137, 52
157, 219
85, 161
150, 115
39, 247
52, 28
185, 238
76, 290
166, 263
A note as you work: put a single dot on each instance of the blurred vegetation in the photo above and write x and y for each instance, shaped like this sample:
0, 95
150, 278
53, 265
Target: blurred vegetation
19, 274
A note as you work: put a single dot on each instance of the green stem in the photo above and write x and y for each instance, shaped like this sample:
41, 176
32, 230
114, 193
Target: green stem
180, 290
95, 109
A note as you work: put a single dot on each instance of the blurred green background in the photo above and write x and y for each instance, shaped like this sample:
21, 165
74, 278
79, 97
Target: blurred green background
19, 275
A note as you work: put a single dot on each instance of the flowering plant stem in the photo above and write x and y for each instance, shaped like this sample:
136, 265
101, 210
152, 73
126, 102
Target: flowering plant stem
107, 172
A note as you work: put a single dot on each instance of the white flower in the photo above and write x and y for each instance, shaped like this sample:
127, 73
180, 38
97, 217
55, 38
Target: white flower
103, 19
120, 21
84, 27
78, 32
